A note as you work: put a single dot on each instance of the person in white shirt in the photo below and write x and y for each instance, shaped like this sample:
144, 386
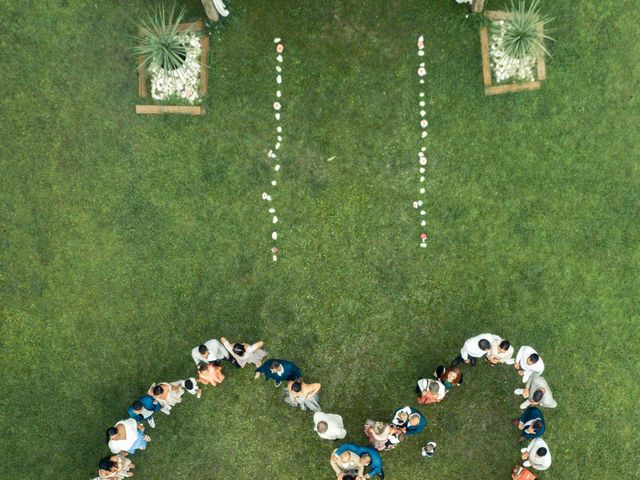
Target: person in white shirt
209, 352
528, 362
536, 393
329, 426
536, 455
475, 348
501, 352
191, 385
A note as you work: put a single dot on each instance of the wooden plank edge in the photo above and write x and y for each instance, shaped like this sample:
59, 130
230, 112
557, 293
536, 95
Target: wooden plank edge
160, 109
204, 63
484, 51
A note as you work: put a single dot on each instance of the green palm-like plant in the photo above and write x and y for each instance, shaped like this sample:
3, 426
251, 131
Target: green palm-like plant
524, 36
160, 41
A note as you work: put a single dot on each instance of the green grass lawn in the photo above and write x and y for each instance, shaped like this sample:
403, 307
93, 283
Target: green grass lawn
126, 240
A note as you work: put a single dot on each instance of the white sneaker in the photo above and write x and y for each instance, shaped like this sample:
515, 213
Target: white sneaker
524, 404
151, 422
518, 391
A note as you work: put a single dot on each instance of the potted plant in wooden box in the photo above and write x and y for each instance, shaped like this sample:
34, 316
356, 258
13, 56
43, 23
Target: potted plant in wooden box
513, 50
172, 63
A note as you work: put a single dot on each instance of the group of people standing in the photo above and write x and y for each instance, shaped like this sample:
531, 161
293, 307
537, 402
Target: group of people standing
535, 391
349, 461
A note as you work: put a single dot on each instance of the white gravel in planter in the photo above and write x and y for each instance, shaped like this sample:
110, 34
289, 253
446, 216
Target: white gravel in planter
507, 69
183, 82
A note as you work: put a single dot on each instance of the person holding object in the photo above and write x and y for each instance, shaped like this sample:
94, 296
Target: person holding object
430, 391
369, 458
210, 374
536, 393
528, 362
474, 349
501, 352
143, 409
531, 423
211, 351
536, 455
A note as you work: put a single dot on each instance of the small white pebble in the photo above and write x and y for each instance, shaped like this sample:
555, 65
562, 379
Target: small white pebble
277, 146
279, 129
279, 79
422, 113
421, 53
423, 149
421, 179
422, 212
278, 68
274, 235
422, 103
279, 58
423, 245
275, 219
423, 134
277, 167
278, 117
423, 161
415, 205
265, 195
275, 258
277, 40
278, 93
272, 210
422, 94
279, 138
423, 223
274, 183
421, 170
421, 80
420, 202
422, 190
422, 64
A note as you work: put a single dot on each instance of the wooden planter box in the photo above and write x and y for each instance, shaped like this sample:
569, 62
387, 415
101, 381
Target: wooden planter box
151, 109
489, 87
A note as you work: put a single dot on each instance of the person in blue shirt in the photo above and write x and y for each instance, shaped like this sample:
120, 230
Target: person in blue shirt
530, 424
410, 420
143, 409
278, 371
369, 455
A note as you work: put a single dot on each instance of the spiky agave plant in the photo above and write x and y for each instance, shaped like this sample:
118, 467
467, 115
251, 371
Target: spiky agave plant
523, 34
160, 41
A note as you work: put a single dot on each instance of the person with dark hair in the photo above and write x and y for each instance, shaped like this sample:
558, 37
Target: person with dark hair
211, 351
430, 390
531, 423
115, 466
450, 377
536, 455
380, 434
501, 352
409, 420
127, 436
528, 362
210, 374
143, 409
303, 395
368, 458
191, 385
475, 348
329, 426
168, 395
279, 371
244, 353
536, 393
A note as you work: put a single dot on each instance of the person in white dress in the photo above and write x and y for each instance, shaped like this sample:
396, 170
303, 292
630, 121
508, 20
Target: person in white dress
168, 395
303, 395
536, 393
329, 426
536, 455
501, 352
244, 353
126, 437
528, 362
211, 351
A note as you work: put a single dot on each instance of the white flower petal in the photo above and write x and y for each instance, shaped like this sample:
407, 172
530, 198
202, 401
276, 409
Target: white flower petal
274, 183
279, 58
423, 134
275, 219
277, 40
423, 223
275, 258
279, 79
421, 169
279, 129
272, 210
422, 190
274, 235
421, 179
277, 167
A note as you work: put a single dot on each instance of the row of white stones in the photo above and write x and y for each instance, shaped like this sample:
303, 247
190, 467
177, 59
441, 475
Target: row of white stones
272, 153
422, 159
